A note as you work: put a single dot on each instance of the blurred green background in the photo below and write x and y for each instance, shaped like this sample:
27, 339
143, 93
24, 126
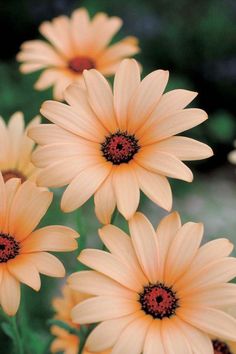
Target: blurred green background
196, 42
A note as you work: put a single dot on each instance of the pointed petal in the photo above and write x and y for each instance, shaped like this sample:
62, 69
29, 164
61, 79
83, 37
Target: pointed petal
104, 200
10, 293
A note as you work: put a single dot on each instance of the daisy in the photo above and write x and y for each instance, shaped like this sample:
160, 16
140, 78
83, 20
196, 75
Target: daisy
16, 148
24, 250
113, 145
157, 292
66, 341
75, 44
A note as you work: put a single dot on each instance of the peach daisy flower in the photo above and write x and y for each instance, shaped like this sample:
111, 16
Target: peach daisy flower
75, 44
114, 145
65, 341
157, 292
16, 148
24, 250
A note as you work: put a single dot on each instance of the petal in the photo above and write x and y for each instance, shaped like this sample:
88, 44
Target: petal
154, 343
84, 185
156, 187
136, 330
126, 190
44, 134
50, 238
163, 163
67, 118
5, 141
144, 240
212, 321
182, 250
112, 267
10, 293
185, 148
104, 200
11, 186
173, 338
3, 204
146, 97
106, 333
103, 308
166, 232
90, 282
126, 81
173, 124
80, 30
15, 130
28, 207
101, 98
24, 271
119, 244
47, 264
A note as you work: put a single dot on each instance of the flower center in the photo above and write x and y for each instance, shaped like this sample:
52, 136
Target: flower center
9, 247
8, 174
79, 64
120, 147
158, 300
220, 347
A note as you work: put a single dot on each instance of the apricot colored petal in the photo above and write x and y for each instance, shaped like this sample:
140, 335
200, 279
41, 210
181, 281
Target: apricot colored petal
44, 134
153, 342
84, 185
126, 81
173, 338
10, 293
12, 186
47, 264
104, 200
15, 130
126, 190
82, 37
3, 204
145, 243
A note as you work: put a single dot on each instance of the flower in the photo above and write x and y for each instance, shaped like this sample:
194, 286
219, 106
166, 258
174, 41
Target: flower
24, 250
223, 346
157, 292
66, 341
75, 44
232, 155
114, 146
16, 148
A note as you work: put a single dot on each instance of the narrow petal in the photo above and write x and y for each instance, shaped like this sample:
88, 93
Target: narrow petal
166, 232
110, 266
24, 271
154, 343
146, 98
126, 81
3, 204
126, 190
103, 308
47, 264
163, 163
11, 186
101, 98
156, 187
136, 329
119, 244
84, 185
10, 293
173, 124
104, 200
174, 339
50, 238
94, 283
145, 243
212, 321
44, 134
184, 148
15, 130
82, 38
106, 333
182, 250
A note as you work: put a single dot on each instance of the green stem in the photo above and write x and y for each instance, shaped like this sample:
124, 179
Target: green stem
18, 342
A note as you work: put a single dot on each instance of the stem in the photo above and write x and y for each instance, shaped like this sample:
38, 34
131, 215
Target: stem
18, 342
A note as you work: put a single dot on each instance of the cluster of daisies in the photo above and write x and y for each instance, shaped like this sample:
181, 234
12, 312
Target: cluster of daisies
153, 291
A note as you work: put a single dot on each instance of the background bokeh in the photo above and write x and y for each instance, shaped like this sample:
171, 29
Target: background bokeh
196, 42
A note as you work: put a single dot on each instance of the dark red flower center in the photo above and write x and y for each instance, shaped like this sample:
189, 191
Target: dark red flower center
220, 347
120, 147
79, 64
8, 174
9, 247
158, 300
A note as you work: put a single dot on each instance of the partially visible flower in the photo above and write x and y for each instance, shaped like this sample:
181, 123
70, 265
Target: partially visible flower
24, 250
16, 148
113, 145
157, 292
65, 341
223, 346
232, 155
75, 44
